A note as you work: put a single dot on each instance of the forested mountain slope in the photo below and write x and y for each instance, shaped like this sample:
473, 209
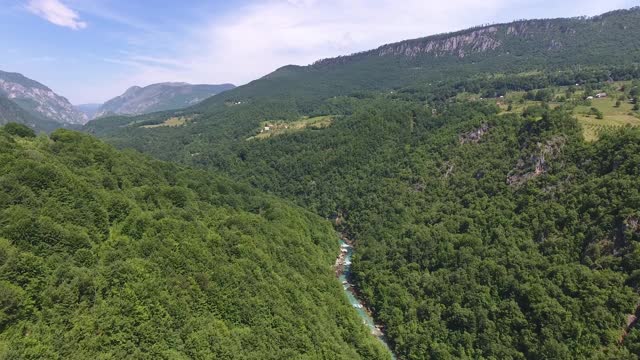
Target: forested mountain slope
476, 235
529, 46
480, 232
526, 45
107, 254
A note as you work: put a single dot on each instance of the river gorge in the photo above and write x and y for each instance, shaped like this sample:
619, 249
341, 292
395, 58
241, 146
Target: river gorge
343, 272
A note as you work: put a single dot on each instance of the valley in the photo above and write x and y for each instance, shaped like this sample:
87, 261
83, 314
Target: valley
462, 248
465, 195
97, 241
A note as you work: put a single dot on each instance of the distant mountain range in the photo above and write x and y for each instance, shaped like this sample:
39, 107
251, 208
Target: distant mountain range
564, 44
29, 102
32, 103
159, 97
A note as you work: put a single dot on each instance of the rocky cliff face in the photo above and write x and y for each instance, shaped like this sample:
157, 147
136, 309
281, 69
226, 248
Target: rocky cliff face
159, 97
472, 41
475, 135
536, 163
479, 40
38, 99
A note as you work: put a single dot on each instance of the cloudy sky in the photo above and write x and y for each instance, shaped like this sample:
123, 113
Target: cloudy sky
93, 50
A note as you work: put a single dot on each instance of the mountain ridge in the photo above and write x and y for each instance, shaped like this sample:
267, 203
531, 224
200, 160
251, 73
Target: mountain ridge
452, 40
38, 99
138, 100
520, 46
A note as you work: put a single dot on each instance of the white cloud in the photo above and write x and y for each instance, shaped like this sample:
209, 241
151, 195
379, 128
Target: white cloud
258, 38
253, 40
56, 13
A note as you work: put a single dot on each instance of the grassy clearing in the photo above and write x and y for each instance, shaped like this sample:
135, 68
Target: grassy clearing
614, 117
279, 127
170, 122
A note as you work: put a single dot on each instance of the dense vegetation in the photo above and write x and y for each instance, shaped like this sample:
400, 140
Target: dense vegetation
478, 234
111, 255
521, 244
480, 231
207, 138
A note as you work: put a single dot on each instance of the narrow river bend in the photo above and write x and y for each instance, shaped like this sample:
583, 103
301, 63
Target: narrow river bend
343, 271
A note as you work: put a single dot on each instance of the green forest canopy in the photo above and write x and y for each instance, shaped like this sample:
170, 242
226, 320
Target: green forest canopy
110, 255
478, 234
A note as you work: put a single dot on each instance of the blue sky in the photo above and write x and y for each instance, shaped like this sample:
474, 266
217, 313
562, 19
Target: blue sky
93, 50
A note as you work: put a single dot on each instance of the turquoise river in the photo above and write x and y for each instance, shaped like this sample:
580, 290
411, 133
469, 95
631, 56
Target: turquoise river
343, 266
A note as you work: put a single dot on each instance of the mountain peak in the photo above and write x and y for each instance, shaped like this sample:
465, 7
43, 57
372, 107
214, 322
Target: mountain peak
20, 79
